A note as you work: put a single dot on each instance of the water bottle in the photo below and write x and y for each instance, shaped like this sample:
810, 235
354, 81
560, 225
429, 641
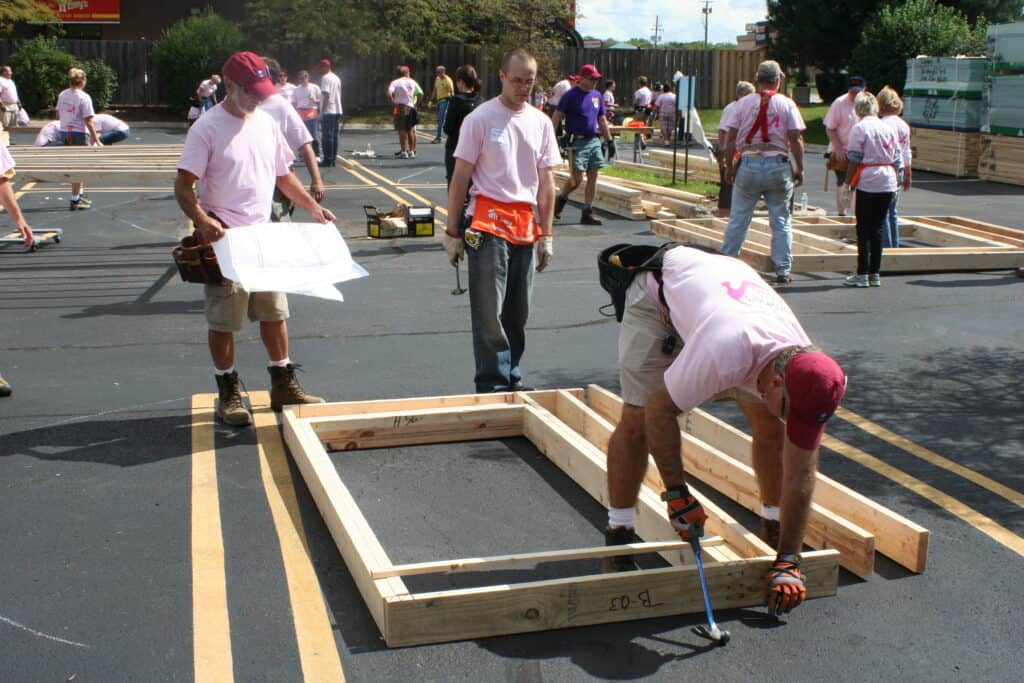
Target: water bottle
803, 204
369, 150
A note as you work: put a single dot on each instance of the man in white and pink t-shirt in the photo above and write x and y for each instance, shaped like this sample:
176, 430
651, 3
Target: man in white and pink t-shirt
766, 134
237, 154
698, 326
402, 93
508, 149
839, 121
743, 88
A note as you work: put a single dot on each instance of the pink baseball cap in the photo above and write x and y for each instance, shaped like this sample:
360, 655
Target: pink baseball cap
815, 385
589, 71
251, 72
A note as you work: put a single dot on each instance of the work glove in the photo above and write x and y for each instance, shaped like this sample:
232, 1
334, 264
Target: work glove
609, 151
685, 512
455, 248
785, 584
545, 252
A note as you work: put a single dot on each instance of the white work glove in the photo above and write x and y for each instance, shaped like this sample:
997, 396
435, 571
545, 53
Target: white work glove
545, 252
456, 249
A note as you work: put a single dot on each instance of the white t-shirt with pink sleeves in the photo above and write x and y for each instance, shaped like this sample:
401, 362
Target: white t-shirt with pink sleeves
237, 161
841, 118
783, 116
902, 130
731, 323
878, 143
288, 121
74, 106
508, 150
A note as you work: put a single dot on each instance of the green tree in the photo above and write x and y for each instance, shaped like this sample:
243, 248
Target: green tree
993, 11
191, 50
899, 32
41, 69
101, 82
15, 11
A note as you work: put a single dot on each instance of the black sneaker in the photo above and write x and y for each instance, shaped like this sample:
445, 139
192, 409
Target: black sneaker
560, 201
619, 535
588, 218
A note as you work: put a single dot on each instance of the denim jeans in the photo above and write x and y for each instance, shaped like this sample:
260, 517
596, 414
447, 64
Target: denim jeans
329, 132
313, 126
442, 111
891, 223
114, 136
206, 103
773, 178
500, 285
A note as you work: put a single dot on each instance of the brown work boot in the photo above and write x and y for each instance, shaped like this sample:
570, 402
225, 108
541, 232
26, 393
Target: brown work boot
5, 388
770, 532
589, 218
285, 389
618, 535
230, 408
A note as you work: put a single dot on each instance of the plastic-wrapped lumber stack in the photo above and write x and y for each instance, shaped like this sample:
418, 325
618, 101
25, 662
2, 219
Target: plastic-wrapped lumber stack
1002, 141
943, 103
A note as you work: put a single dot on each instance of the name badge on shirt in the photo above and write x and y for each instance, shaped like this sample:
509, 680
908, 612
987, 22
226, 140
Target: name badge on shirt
499, 135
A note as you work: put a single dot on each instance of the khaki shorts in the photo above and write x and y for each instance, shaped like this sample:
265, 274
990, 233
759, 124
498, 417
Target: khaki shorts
228, 306
642, 358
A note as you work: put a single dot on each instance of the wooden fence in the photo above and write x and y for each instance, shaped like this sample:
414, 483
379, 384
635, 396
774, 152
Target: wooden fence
365, 78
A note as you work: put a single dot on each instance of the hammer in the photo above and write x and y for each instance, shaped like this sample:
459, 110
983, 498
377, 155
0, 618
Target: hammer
458, 284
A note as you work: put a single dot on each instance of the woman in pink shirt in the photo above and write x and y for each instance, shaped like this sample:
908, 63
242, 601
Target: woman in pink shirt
74, 106
874, 154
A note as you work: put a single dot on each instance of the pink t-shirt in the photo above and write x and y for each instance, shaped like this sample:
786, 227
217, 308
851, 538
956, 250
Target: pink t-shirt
841, 118
402, 90
731, 322
49, 133
105, 123
902, 130
206, 88
74, 106
783, 116
508, 149
6, 162
291, 126
666, 104
285, 90
306, 96
878, 142
237, 161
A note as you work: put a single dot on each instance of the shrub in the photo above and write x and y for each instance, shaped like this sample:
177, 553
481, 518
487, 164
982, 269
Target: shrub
41, 71
190, 51
101, 82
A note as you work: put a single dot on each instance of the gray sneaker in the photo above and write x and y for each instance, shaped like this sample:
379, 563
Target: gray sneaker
856, 281
874, 280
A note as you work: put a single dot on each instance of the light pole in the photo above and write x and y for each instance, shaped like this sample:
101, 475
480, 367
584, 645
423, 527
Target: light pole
706, 11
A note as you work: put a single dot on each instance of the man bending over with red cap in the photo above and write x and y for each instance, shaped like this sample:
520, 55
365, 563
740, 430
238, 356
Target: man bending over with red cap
698, 326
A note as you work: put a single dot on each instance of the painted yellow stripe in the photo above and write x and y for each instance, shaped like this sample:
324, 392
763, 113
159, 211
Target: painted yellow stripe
984, 524
211, 630
318, 651
24, 188
370, 183
388, 181
931, 456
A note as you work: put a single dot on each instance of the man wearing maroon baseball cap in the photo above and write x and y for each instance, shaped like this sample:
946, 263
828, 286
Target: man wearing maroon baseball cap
238, 155
742, 342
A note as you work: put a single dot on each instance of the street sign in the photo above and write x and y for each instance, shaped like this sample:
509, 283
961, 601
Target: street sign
593, 43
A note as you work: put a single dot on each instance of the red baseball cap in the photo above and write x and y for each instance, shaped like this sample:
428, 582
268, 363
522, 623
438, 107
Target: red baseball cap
250, 71
589, 71
574, 78
325, 62
815, 385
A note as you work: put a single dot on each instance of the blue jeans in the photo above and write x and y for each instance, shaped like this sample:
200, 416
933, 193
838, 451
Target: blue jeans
205, 103
891, 222
329, 132
773, 178
442, 111
500, 285
114, 136
313, 126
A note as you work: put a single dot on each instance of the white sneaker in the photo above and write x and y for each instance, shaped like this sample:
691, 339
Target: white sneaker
875, 280
856, 281
412, 154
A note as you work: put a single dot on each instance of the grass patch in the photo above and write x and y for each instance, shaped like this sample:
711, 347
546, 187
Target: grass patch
706, 189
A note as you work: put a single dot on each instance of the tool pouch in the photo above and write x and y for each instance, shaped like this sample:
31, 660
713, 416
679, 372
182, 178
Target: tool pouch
197, 262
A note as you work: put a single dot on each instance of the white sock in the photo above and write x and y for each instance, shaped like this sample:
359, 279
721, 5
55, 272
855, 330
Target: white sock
769, 511
75, 197
279, 363
218, 371
620, 517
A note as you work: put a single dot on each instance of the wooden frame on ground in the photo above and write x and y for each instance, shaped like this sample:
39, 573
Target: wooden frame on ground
736, 563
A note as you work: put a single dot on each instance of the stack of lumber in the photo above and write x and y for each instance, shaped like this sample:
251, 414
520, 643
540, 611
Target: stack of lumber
1006, 105
1005, 47
945, 151
700, 166
1002, 159
1002, 150
610, 197
120, 163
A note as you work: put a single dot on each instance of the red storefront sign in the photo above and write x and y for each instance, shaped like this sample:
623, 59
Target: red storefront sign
86, 11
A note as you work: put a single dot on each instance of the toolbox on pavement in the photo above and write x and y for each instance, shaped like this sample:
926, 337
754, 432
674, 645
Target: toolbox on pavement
401, 221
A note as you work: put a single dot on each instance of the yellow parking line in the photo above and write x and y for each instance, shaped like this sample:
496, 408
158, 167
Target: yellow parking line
211, 630
393, 184
370, 183
318, 651
984, 524
931, 456
24, 188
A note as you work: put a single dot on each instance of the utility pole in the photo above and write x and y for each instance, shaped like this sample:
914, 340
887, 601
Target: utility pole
706, 11
657, 28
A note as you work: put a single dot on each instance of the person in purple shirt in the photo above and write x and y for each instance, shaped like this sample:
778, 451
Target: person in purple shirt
582, 109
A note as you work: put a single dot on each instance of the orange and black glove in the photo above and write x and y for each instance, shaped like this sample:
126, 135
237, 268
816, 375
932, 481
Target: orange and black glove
785, 584
685, 512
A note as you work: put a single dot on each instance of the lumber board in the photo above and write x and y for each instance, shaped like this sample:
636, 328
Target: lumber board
966, 226
425, 426
896, 536
949, 152
737, 481
358, 545
545, 398
1002, 159
562, 603
620, 201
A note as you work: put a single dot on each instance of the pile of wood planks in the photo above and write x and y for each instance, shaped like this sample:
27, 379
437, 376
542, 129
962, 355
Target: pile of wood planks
828, 244
118, 163
945, 151
611, 197
1002, 159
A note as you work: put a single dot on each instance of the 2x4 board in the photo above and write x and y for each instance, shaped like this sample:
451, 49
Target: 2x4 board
573, 435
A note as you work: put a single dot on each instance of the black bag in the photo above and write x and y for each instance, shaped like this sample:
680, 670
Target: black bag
620, 263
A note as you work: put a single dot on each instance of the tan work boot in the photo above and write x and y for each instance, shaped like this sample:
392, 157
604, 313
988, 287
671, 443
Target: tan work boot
770, 532
618, 535
285, 389
230, 408
5, 388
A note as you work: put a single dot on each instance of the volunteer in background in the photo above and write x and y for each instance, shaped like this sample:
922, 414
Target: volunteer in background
74, 106
306, 99
401, 93
839, 121
207, 92
890, 106
508, 149
441, 96
10, 103
743, 88
330, 112
110, 128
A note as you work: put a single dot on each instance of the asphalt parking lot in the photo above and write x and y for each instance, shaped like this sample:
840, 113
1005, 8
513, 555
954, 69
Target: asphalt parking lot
105, 348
